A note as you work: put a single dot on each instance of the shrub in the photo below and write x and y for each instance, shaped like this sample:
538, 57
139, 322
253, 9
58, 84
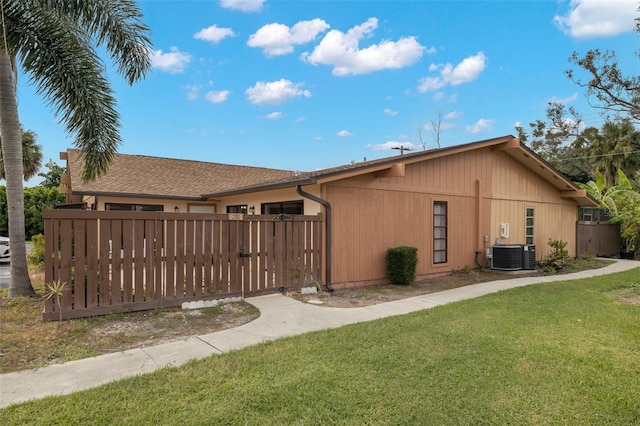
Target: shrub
36, 255
557, 258
401, 264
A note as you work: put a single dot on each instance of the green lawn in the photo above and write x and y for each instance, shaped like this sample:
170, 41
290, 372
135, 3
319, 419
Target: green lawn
561, 353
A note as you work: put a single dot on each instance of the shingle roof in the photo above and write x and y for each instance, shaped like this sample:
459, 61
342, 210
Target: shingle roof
139, 175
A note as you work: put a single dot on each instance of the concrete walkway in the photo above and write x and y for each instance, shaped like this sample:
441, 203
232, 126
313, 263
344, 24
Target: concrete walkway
280, 316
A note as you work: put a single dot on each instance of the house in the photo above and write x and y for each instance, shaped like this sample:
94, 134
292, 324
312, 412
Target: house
451, 203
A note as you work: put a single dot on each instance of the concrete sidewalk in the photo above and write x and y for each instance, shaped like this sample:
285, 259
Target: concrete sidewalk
280, 316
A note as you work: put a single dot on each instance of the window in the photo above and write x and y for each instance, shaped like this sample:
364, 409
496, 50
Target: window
241, 208
284, 207
592, 214
439, 232
528, 229
122, 207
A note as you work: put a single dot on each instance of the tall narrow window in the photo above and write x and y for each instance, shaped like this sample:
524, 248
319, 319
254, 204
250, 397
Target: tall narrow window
439, 232
528, 230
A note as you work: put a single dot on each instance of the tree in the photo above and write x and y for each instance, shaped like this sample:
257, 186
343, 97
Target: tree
613, 91
559, 141
55, 43
579, 153
31, 155
616, 147
52, 177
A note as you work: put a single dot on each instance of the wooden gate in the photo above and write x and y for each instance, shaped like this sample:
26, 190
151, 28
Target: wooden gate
128, 261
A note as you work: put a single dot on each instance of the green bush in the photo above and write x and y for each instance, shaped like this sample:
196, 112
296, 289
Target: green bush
401, 264
557, 258
36, 255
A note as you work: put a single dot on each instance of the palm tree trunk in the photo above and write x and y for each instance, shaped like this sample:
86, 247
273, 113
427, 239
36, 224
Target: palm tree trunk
12, 154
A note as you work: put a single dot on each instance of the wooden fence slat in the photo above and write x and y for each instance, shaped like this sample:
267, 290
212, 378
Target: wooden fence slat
138, 260
235, 267
79, 264
127, 260
104, 294
217, 257
92, 264
189, 259
116, 262
170, 259
66, 255
158, 252
207, 257
180, 294
199, 261
254, 249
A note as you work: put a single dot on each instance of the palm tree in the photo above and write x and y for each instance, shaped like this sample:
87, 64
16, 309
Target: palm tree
616, 147
55, 43
31, 155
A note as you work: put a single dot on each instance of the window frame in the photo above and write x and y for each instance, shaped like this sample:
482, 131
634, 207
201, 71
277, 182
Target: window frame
529, 230
237, 208
438, 230
281, 206
134, 207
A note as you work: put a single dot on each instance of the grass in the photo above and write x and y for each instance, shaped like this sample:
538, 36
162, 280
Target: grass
557, 353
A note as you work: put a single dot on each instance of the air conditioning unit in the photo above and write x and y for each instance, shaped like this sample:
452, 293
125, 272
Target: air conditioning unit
506, 257
528, 256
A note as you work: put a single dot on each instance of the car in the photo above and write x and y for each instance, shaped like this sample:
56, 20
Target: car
5, 256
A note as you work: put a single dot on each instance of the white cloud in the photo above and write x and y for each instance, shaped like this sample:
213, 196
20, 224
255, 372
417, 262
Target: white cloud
276, 115
279, 39
344, 133
566, 100
192, 92
318, 138
243, 5
407, 146
342, 51
597, 18
452, 115
217, 96
299, 120
466, 71
482, 125
390, 112
275, 92
214, 34
173, 62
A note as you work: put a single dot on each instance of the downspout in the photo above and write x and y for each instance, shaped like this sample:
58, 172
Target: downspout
327, 206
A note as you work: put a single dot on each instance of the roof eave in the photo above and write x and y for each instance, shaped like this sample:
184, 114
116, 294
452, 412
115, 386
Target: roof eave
136, 195
260, 188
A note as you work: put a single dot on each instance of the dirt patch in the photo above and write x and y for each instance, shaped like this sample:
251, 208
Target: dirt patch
375, 294
372, 295
28, 342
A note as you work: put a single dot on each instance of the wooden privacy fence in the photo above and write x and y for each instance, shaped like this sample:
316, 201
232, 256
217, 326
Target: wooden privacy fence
597, 239
130, 261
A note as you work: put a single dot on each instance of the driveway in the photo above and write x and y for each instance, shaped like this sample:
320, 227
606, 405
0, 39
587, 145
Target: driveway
5, 270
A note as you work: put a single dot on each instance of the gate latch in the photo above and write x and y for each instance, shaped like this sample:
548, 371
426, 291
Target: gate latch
241, 254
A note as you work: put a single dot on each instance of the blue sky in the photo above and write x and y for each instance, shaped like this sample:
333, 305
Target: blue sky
306, 85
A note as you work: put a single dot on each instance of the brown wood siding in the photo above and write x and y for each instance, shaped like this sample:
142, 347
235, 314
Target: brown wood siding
483, 188
363, 235
513, 189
